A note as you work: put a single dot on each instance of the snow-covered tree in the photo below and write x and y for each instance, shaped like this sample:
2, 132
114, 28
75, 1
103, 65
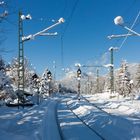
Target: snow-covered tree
27, 73
47, 84
107, 82
44, 84
101, 84
6, 90
137, 78
123, 82
2, 64
13, 71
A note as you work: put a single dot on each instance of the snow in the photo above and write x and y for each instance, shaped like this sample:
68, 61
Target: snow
83, 110
25, 38
28, 17
49, 126
108, 65
109, 126
73, 128
118, 20
23, 17
22, 123
116, 105
61, 20
40, 123
77, 65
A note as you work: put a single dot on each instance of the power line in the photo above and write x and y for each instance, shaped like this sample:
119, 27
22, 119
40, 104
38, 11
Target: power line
124, 40
65, 7
68, 21
62, 51
70, 17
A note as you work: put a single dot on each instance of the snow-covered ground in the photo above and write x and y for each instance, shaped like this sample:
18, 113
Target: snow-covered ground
39, 122
22, 124
117, 105
109, 126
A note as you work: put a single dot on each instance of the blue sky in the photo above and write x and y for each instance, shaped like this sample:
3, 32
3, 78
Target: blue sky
87, 25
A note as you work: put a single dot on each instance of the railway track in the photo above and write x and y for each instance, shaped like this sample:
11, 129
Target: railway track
68, 121
101, 121
93, 130
75, 120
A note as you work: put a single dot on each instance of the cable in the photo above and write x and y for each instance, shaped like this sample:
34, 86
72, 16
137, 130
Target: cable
129, 31
66, 27
70, 17
62, 53
65, 7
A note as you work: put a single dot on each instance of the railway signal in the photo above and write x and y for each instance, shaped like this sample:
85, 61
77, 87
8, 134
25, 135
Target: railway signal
49, 77
79, 78
78, 73
97, 71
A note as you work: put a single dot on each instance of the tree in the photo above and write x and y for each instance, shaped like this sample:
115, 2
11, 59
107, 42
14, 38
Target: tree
137, 78
28, 70
2, 64
46, 85
13, 72
6, 89
123, 82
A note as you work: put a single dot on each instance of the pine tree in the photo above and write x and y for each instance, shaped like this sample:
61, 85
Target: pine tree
123, 81
44, 84
138, 78
6, 89
28, 70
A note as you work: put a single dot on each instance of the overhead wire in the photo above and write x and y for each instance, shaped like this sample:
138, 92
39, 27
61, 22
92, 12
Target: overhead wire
61, 38
124, 40
69, 19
